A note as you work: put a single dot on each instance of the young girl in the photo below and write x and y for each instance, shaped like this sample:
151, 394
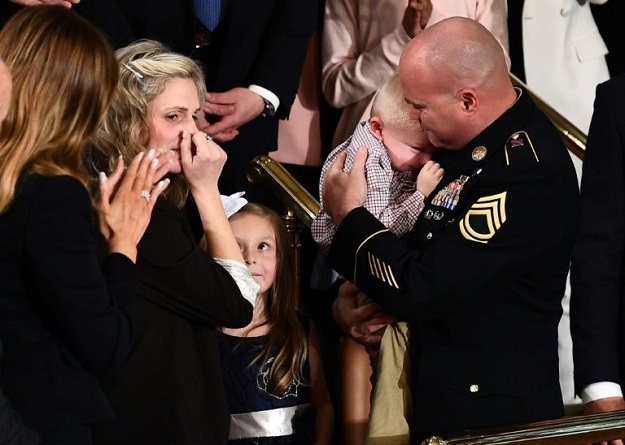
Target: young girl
272, 369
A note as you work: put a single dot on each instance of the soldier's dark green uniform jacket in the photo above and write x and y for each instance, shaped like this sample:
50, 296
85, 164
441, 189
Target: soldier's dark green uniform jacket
480, 277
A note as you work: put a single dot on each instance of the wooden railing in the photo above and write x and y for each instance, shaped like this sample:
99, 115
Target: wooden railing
301, 209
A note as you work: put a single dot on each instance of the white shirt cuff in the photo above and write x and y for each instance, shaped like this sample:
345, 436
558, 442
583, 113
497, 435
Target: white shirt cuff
265, 94
248, 286
600, 390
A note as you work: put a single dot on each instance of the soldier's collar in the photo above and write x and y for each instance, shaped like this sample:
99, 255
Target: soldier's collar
495, 135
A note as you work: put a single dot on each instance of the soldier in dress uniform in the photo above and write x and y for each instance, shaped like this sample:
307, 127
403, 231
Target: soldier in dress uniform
481, 275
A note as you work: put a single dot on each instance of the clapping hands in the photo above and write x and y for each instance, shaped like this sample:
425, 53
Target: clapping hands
416, 16
125, 200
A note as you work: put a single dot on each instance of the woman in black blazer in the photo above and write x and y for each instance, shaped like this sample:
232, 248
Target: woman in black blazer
61, 314
170, 390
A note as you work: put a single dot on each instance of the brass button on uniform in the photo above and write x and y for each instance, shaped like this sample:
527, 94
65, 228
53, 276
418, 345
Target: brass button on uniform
429, 236
474, 388
479, 153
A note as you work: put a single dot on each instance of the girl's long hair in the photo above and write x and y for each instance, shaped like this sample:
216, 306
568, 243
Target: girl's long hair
64, 76
145, 67
287, 337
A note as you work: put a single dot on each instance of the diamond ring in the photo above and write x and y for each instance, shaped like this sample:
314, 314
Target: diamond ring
145, 194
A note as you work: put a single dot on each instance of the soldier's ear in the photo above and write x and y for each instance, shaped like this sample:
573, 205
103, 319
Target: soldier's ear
468, 99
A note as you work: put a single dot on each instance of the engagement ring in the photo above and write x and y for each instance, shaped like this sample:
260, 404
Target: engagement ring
145, 194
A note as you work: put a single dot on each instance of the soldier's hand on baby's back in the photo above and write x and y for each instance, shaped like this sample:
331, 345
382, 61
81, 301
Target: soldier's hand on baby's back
344, 191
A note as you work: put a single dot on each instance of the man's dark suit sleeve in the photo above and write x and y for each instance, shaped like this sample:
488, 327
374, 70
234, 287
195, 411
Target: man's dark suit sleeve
597, 267
278, 64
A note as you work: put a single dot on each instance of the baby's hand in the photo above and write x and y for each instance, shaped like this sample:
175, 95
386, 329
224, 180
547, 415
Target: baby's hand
428, 177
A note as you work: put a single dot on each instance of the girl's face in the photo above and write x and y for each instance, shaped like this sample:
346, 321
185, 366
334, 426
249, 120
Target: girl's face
169, 114
257, 240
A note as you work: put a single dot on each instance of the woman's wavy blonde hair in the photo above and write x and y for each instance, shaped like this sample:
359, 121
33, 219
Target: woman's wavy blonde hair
64, 77
145, 67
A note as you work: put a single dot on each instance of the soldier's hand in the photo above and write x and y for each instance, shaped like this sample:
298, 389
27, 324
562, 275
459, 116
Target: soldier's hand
363, 324
344, 191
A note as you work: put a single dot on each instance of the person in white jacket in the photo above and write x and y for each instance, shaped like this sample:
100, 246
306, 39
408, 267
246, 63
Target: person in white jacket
562, 54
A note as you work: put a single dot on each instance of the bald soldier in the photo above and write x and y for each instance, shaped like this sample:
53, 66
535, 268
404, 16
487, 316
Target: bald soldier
481, 275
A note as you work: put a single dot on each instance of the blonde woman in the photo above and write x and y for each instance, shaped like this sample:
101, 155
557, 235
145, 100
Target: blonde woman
170, 390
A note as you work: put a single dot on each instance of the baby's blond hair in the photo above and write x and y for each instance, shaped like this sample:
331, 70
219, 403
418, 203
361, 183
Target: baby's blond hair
390, 106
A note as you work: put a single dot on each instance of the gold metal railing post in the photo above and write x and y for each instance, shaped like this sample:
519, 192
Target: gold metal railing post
264, 170
294, 228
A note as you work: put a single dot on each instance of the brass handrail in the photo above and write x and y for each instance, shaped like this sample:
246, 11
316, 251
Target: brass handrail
573, 137
263, 169
573, 430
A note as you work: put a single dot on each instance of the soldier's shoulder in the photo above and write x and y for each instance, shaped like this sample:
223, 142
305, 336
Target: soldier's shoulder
519, 150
